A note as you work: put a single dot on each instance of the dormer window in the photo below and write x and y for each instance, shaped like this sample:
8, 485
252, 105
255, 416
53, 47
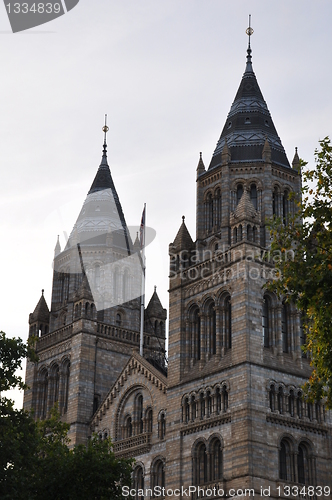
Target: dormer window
229, 125
247, 121
267, 123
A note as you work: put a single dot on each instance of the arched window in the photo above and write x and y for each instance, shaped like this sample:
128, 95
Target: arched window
212, 329
303, 465
66, 385
43, 394
218, 207
149, 416
209, 404
195, 325
239, 193
272, 398
116, 284
291, 401
218, 400
284, 327
253, 195
275, 202
239, 233
235, 235
158, 475
186, 410
299, 404
125, 286
56, 375
286, 469
285, 207
216, 460
228, 322
209, 215
249, 233
128, 427
202, 405
201, 464
139, 413
225, 398
138, 482
280, 399
162, 426
118, 319
97, 276
265, 321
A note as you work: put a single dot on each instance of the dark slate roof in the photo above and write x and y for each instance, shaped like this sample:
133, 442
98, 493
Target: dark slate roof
248, 124
41, 312
183, 240
155, 307
102, 213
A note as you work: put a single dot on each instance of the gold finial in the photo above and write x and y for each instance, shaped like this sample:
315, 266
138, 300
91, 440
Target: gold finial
105, 129
249, 30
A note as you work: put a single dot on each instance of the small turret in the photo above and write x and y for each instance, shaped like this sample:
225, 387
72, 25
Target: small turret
296, 164
57, 248
200, 167
40, 318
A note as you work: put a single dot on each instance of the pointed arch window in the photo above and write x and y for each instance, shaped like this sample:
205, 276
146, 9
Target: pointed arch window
201, 469
284, 327
285, 207
138, 482
303, 464
253, 195
275, 202
162, 426
265, 321
218, 207
56, 383
128, 427
196, 335
140, 425
239, 193
216, 460
212, 329
66, 387
44, 394
158, 476
228, 322
149, 420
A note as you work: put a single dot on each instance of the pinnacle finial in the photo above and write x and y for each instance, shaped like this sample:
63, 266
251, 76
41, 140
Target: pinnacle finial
155, 288
249, 32
43, 291
183, 217
105, 130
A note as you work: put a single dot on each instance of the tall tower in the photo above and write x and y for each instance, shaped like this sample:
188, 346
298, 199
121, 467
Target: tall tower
235, 409
92, 327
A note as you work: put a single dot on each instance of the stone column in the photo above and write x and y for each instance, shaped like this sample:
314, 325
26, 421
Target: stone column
218, 333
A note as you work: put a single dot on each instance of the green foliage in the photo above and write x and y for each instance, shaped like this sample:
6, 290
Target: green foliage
36, 461
307, 279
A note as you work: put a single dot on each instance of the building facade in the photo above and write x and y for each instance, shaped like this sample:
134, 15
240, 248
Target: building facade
228, 415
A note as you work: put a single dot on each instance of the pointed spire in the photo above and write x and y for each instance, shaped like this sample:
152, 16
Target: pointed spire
225, 154
249, 32
103, 179
248, 123
245, 210
200, 167
266, 153
183, 240
41, 312
296, 162
57, 248
154, 307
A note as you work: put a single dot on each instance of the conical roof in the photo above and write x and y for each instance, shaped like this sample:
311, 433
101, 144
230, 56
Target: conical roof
155, 307
183, 240
248, 124
101, 213
41, 312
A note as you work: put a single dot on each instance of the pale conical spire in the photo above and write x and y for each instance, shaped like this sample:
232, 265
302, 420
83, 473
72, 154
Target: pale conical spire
57, 248
200, 167
296, 164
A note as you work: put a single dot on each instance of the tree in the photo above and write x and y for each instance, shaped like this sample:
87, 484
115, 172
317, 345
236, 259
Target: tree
307, 278
36, 461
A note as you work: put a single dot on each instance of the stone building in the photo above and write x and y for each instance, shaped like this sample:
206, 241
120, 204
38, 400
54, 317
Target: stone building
228, 415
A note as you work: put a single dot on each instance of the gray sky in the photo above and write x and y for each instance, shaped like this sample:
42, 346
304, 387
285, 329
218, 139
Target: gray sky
166, 73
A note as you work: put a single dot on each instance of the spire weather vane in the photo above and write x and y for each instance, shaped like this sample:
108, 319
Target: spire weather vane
105, 129
249, 30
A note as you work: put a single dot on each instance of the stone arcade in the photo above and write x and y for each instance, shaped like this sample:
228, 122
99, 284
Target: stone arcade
227, 413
